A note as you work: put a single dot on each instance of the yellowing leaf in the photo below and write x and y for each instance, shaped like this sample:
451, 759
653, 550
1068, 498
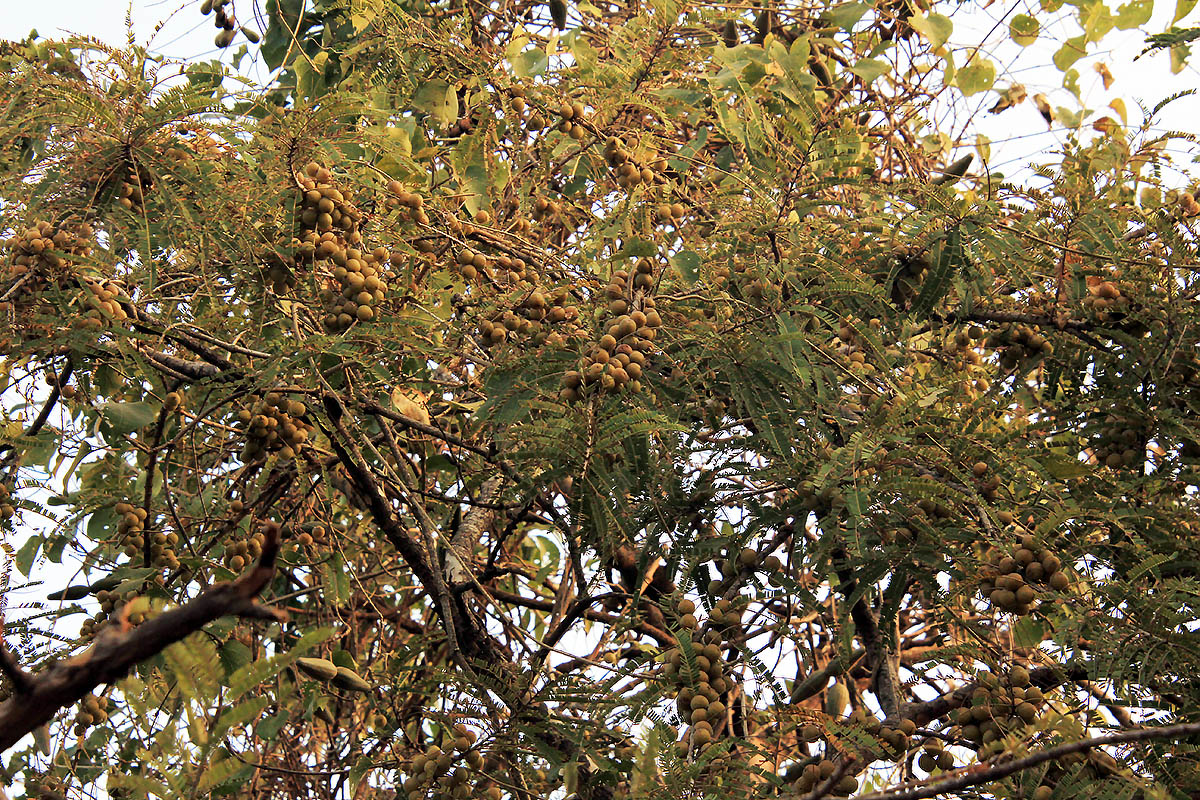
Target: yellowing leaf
870, 68
410, 404
983, 145
1096, 20
936, 28
1010, 97
1106, 76
1118, 105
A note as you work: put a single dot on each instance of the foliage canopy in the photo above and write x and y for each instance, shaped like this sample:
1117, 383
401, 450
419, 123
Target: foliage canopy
610, 400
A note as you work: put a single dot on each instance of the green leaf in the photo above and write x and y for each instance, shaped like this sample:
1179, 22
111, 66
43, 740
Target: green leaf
1024, 29
870, 68
1096, 20
1028, 632
1071, 83
978, 76
337, 582
439, 100
688, 265
530, 63
27, 553
240, 714
125, 418
1182, 9
1072, 50
936, 28
845, 16
1179, 56
1133, 14
234, 655
1063, 467
948, 258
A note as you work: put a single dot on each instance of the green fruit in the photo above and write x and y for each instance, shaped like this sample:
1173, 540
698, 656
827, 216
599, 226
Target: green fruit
350, 680
71, 593
954, 171
837, 697
318, 668
558, 12
729, 35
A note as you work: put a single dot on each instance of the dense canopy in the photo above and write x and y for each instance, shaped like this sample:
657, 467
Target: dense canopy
597, 400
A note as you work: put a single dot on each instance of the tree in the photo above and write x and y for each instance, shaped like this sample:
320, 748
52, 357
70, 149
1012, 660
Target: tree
614, 401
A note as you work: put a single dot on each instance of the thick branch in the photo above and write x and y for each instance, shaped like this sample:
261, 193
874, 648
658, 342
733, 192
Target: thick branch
1002, 769
118, 649
880, 656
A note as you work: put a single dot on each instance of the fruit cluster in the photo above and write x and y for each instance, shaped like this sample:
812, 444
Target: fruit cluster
573, 117
411, 206
907, 267
1011, 579
998, 707
137, 183
323, 207
93, 710
615, 362
239, 554
850, 346
357, 286
670, 212
131, 527
517, 100
934, 755
109, 602
962, 344
102, 301
544, 209
533, 314
279, 270
275, 425
1187, 204
42, 252
8, 508
428, 768
1104, 298
894, 741
225, 23
1018, 343
814, 774
988, 482
630, 173
1120, 442
699, 681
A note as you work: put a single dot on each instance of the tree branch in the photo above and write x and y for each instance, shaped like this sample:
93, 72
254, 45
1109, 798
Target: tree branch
973, 776
118, 649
